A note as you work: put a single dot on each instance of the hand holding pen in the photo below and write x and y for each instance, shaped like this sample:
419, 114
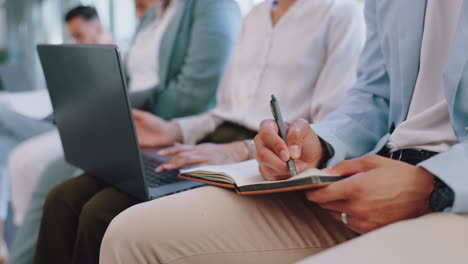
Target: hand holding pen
300, 144
276, 111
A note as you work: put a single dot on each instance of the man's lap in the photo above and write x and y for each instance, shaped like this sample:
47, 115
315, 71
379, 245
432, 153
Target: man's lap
213, 225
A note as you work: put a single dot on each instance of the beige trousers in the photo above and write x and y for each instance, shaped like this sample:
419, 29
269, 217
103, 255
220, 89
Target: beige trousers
213, 225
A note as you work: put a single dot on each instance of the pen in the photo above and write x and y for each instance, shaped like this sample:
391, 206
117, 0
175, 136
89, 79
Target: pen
275, 110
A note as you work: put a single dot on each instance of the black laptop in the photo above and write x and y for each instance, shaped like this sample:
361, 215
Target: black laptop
87, 87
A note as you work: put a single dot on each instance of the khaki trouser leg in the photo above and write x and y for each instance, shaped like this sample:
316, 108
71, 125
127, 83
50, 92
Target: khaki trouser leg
214, 225
432, 239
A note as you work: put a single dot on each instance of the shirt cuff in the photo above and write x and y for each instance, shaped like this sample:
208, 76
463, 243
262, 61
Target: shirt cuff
338, 154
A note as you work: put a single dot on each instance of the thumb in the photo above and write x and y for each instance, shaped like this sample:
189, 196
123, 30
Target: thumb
358, 165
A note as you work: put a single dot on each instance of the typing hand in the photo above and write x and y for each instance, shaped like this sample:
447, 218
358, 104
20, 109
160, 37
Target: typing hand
203, 154
272, 152
380, 192
153, 131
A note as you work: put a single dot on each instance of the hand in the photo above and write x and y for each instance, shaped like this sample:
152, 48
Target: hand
382, 191
153, 131
204, 154
272, 152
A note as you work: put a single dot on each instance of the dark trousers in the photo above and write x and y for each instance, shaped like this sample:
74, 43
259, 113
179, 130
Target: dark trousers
78, 212
76, 215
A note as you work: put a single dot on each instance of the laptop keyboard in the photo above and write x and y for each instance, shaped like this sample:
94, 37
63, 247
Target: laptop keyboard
155, 179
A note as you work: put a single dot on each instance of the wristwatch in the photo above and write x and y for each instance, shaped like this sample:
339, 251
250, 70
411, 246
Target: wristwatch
442, 197
327, 154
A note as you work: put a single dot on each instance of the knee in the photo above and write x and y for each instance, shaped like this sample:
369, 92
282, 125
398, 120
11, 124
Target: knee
55, 198
56, 201
115, 232
128, 227
15, 159
62, 197
128, 239
93, 218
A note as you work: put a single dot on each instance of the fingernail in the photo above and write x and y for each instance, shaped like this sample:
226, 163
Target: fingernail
162, 152
294, 151
159, 169
284, 155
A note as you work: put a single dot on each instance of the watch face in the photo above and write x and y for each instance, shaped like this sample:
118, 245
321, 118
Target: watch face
435, 202
441, 198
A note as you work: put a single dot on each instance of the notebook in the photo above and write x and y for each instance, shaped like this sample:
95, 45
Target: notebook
245, 178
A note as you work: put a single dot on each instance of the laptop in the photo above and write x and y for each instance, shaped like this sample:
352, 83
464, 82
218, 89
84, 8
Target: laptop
92, 110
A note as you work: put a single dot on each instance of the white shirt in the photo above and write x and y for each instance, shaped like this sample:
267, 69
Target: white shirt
143, 58
428, 124
308, 59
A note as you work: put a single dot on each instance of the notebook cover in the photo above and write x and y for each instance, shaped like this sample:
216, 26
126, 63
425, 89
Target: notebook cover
216, 183
304, 184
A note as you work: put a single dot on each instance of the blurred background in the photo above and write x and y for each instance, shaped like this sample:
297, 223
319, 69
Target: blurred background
25, 23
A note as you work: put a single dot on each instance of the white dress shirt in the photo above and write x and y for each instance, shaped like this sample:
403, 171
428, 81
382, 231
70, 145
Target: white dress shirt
143, 57
428, 124
308, 60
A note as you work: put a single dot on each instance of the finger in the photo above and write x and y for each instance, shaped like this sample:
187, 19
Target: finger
354, 223
180, 160
138, 114
359, 165
177, 148
268, 138
297, 131
199, 165
273, 175
337, 191
269, 159
269, 124
339, 206
142, 140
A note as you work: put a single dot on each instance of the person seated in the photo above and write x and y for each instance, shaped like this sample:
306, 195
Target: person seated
199, 35
142, 7
401, 137
85, 27
25, 162
265, 61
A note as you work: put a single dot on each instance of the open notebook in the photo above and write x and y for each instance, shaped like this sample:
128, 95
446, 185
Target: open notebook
245, 178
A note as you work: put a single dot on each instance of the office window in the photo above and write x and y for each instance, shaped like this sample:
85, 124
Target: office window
2, 25
124, 21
